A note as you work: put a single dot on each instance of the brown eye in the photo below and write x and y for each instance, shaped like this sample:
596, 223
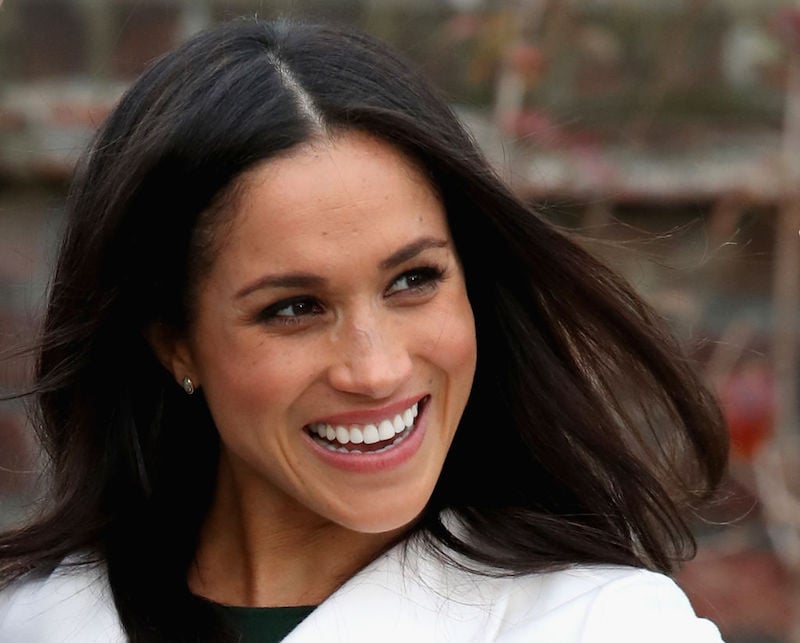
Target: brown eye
296, 309
290, 310
415, 280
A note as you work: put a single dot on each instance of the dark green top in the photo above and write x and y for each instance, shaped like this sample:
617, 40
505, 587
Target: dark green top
264, 624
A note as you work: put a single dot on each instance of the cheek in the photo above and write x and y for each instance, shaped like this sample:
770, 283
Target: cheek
453, 347
465, 350
249, 379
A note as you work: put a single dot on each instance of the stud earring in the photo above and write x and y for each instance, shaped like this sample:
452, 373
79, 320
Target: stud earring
188, 385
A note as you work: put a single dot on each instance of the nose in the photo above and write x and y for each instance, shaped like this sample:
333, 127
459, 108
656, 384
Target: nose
370, 359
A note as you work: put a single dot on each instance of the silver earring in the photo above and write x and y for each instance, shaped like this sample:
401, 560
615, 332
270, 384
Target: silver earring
188, 385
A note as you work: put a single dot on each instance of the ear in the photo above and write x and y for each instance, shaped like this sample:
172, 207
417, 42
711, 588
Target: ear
173, 351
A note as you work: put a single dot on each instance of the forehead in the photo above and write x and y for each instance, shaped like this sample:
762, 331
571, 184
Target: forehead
340, 194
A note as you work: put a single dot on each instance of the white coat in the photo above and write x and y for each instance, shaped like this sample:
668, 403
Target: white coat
411, 598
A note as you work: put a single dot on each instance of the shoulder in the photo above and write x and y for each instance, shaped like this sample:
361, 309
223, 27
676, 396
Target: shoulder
594, 604
411, 596
72, 604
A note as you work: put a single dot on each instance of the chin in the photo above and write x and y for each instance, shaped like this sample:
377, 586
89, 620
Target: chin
394, 521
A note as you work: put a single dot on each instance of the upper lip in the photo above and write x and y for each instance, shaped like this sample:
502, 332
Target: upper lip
368, 416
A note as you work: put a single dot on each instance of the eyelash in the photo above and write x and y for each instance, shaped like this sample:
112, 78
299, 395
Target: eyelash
427, 279
271, 314
431, 276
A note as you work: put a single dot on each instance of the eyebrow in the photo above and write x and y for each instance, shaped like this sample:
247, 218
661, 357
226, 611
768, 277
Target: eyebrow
286, 280
410, 251
311, 280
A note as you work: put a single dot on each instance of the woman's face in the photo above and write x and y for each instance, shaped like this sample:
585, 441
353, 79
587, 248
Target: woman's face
333, 337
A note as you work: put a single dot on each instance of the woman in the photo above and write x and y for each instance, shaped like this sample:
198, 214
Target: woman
305, 354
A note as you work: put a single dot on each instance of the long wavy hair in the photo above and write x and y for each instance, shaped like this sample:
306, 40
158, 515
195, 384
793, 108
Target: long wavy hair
586, 437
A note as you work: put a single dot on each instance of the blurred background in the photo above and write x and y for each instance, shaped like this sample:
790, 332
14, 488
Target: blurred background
665, 132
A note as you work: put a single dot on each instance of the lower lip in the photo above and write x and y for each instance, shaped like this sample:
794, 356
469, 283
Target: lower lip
386, 460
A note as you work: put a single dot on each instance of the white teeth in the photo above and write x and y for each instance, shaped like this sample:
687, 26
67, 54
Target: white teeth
371, 435
388, 429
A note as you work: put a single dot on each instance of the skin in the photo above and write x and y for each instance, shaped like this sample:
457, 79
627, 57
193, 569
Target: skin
355, 335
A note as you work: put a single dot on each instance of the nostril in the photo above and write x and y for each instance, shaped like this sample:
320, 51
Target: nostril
373, 373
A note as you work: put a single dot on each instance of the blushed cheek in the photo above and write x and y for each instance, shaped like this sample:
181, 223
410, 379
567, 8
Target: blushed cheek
458, 349
468, 349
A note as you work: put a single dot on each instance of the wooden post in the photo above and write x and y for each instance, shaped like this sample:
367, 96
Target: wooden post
98, 20
786, 276
786, 313
510, 88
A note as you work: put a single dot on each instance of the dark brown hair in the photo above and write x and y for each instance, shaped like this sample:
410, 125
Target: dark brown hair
586, 436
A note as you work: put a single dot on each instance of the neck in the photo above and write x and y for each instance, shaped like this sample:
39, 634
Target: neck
261, 548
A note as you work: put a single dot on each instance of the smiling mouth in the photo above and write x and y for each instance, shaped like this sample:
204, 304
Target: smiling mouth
368, 438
